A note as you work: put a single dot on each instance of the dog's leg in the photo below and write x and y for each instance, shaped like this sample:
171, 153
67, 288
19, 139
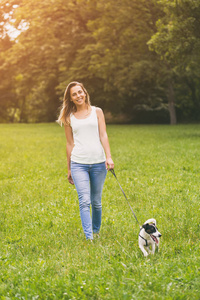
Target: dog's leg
144, 251
153, 248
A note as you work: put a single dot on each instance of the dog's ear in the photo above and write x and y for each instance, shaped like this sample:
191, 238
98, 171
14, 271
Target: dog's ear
145, 225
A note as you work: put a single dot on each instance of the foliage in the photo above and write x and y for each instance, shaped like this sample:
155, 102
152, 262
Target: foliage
43, 252
106, 46
177, 41
119, 56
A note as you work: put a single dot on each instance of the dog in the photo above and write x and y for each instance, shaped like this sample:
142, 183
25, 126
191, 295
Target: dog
149, 237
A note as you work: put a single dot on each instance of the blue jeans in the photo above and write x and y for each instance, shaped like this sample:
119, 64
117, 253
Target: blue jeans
89, 181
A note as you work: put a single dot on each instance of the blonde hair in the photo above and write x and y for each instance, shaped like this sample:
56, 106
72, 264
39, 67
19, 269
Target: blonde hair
68, 106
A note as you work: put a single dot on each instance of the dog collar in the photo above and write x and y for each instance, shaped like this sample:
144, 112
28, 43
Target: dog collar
144, 240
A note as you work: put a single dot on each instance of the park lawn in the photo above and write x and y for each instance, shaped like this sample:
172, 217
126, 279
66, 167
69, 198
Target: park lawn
43, 251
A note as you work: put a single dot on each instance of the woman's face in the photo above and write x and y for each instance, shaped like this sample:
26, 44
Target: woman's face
77, 95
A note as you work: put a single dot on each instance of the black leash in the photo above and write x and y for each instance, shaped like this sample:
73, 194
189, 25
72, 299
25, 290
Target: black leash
113, 172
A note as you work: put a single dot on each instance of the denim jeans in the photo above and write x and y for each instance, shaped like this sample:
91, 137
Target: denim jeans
89, 181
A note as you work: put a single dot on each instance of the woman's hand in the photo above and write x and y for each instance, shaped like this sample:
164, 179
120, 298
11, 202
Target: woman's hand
69, 177
109, 164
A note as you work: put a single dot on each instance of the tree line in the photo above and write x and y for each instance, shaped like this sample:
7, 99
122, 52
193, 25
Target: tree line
138, 58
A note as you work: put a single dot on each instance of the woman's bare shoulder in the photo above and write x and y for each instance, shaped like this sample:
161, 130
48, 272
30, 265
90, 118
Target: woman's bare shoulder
99, 111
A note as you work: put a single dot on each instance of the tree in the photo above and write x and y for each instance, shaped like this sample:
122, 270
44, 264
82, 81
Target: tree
8, 101
119, 56
43, 53
104, 45
177, 42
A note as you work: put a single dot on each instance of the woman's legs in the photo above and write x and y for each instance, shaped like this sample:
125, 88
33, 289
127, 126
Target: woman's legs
89, 180
97, 177
80, 175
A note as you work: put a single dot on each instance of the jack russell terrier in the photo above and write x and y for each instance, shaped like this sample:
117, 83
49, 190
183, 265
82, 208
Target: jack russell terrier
149, 237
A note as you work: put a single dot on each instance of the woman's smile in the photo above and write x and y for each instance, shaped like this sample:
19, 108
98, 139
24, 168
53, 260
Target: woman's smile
77, 95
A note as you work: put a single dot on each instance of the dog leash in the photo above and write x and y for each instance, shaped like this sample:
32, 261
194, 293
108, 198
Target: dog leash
113, 172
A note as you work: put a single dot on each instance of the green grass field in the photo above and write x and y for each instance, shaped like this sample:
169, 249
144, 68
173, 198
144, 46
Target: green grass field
43, 251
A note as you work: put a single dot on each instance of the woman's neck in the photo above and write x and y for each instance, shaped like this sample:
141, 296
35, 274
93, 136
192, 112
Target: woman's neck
83, 107
83, 112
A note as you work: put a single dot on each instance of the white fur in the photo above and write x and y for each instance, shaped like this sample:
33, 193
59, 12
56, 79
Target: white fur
151, 243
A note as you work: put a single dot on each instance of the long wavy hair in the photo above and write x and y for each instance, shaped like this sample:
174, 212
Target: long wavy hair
68, 106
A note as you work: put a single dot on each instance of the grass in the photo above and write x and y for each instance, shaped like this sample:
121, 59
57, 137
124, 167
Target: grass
43, 251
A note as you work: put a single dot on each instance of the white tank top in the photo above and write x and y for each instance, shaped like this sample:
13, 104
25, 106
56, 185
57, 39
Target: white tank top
87, 145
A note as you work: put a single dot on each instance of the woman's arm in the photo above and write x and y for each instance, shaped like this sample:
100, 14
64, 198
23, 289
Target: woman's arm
69, 147
104, 138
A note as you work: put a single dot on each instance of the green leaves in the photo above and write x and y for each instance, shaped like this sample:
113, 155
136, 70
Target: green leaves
106, 46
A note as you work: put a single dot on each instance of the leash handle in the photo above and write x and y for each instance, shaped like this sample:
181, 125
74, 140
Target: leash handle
113, 172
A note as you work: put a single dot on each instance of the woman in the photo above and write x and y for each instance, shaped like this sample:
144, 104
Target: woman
88, 153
